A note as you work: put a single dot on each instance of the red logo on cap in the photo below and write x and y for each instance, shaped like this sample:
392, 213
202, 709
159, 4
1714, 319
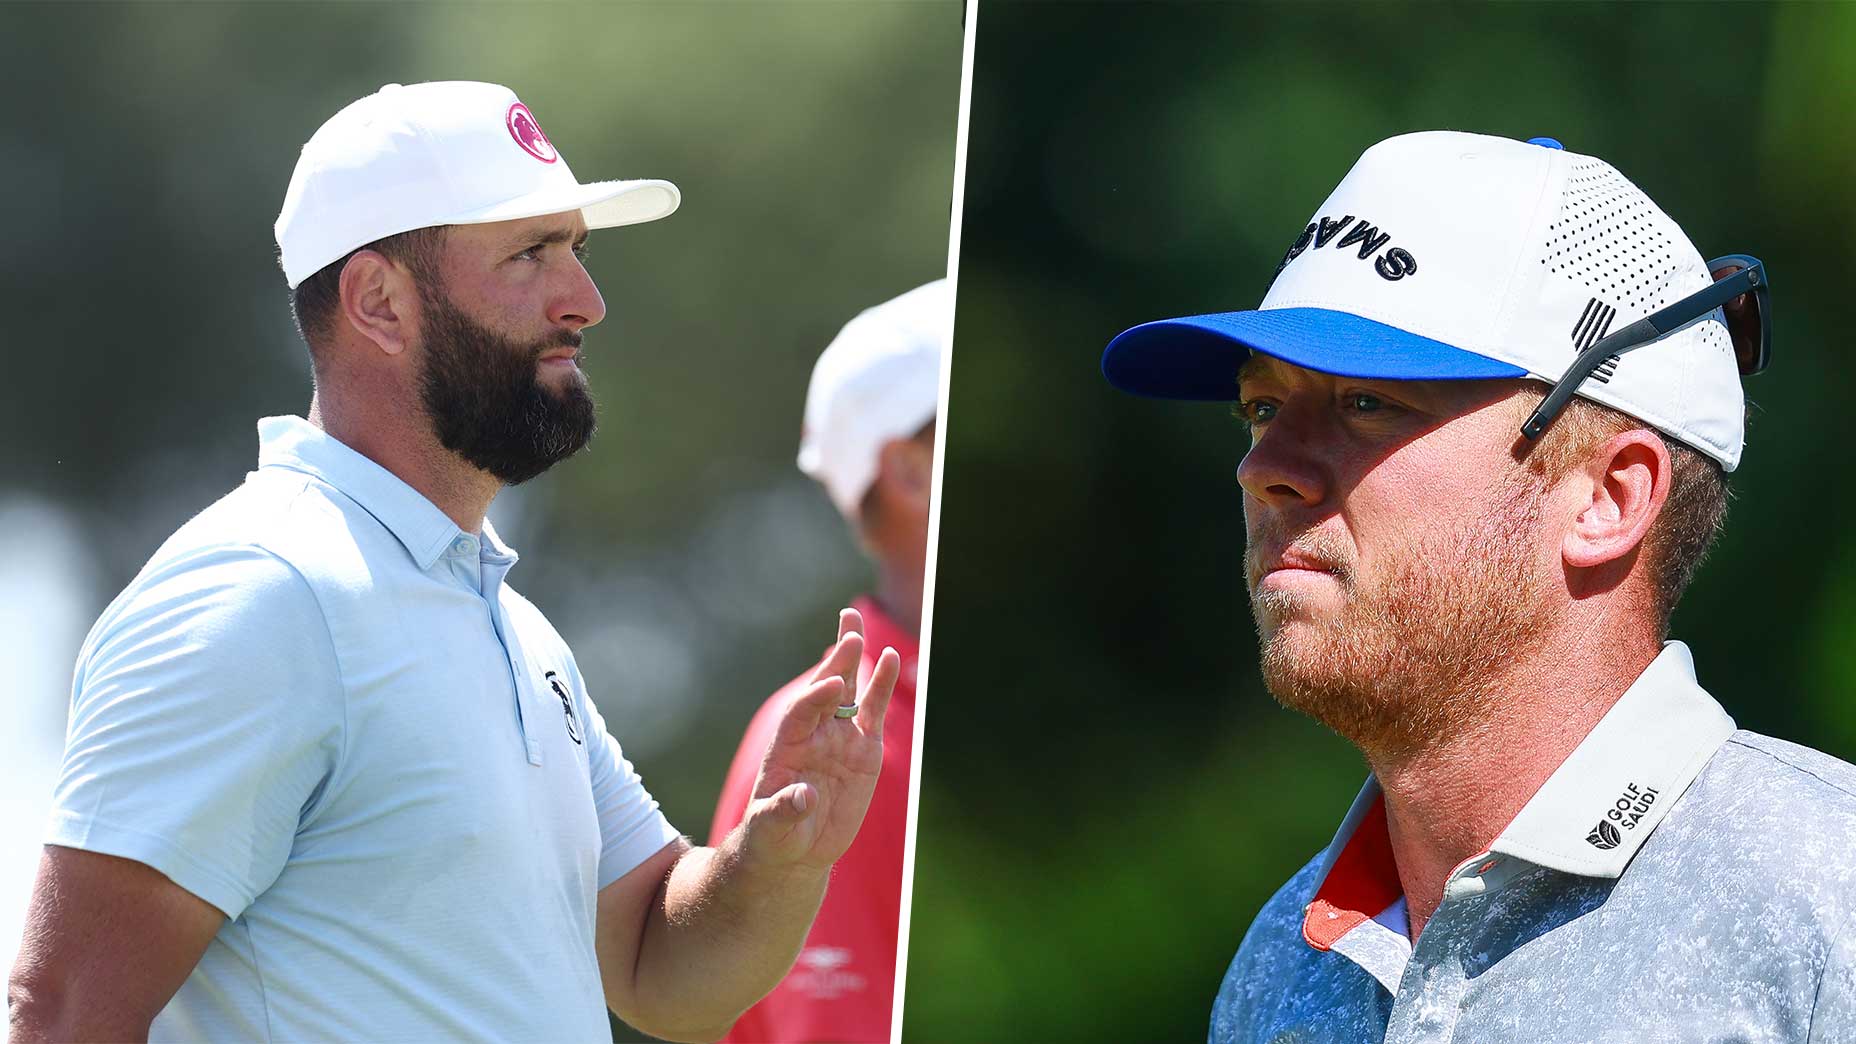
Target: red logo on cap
527, 133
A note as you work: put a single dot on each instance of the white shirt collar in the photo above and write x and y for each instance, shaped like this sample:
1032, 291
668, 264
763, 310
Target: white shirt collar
1595, 811
1589, 818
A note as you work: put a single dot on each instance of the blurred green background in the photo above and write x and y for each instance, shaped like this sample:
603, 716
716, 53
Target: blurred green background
1108, 793
145, 150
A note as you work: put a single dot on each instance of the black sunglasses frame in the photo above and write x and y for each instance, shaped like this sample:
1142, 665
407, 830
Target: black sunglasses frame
1748, 279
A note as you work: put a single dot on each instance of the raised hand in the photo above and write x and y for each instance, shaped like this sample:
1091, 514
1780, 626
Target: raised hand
820, 770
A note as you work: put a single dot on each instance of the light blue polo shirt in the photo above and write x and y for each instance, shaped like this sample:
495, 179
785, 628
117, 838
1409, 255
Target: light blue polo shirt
320, 709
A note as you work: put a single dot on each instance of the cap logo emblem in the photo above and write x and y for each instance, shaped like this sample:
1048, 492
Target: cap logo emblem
1594, 323
527, 133
1393, 265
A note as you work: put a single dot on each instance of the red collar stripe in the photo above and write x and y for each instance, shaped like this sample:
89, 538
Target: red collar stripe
1363, 881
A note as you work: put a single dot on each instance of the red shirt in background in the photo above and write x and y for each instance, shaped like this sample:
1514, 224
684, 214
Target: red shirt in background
842, 985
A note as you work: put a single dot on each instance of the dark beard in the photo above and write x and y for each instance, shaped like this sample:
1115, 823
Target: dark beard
484, 395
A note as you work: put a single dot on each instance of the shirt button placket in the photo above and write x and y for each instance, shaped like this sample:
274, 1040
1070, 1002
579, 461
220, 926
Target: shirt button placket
1430, 996
526, 709
527, 714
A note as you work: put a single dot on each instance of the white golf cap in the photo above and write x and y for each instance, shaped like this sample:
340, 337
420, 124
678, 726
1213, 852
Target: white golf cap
452, 153
878, 380
1444, 255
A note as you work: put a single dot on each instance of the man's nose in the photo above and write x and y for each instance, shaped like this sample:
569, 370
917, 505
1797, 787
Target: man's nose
578, 304
1283, 467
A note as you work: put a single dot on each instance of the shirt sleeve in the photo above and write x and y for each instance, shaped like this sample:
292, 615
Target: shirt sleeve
632, 828
206, 718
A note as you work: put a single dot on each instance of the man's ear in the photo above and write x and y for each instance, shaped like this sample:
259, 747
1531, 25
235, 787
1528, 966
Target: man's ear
379, 300
1625, 485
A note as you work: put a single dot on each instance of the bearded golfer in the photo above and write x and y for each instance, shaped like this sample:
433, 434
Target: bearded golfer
1468, 572
328, 777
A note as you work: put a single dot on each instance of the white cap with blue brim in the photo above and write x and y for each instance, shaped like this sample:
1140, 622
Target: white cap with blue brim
1451, 256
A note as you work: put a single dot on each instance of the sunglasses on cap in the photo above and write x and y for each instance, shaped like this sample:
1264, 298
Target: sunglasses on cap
1739, 290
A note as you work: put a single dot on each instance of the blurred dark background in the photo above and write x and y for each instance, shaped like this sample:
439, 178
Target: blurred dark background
1109, 795
144, 153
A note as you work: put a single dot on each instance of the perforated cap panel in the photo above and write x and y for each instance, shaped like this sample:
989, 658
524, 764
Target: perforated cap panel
1611, 239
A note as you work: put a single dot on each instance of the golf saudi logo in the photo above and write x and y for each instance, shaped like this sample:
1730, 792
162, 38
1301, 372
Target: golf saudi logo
1625, 812
1604, 835
527, 133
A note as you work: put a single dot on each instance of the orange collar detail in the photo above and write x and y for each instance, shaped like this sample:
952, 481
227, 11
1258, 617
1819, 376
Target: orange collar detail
1362, 882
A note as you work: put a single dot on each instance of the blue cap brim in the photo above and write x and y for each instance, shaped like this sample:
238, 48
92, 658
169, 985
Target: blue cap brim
1196, 357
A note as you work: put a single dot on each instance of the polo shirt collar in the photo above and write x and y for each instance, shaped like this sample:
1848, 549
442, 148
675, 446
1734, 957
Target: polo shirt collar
1597, 809
426, 532
1589, 818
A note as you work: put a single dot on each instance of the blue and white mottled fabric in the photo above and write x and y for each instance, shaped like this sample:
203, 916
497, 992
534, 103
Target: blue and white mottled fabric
320, 709
1720, 909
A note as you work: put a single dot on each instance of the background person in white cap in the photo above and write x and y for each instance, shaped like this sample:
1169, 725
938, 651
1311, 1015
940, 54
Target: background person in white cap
327, 776
1563, 837
869, 440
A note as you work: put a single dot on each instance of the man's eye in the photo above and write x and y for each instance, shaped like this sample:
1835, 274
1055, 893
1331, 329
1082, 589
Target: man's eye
1364, 403
1254, 411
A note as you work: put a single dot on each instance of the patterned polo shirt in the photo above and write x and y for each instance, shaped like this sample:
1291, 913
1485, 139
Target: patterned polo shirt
1673, 880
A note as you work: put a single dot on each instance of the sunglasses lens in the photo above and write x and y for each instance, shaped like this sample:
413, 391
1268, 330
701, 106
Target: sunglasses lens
1745, 324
